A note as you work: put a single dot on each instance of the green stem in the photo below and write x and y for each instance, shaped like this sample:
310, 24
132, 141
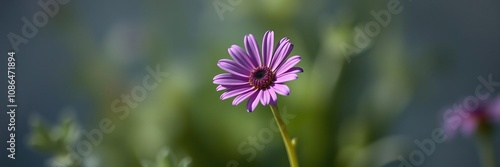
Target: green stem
289, 144
486, 150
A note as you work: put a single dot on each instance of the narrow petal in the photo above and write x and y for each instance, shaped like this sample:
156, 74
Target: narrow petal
252, 49
284, 49
281, 42
265, 98
293, 70
242, 58
220, 87
229, 76
286, 78
243, 96
230, 82
274, 98
469, 126
233, 67
229, 79
494, 109
267, 48
253, 101
281, 89
224, 75
292, 61
235, 91
284, 39
279, 49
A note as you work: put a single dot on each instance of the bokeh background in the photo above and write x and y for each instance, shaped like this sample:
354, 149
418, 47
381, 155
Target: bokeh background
362, 112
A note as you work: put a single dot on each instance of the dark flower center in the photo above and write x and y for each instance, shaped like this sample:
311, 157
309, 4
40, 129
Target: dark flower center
261, 78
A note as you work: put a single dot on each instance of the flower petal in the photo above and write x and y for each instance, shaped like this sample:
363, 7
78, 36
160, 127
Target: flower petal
293, 70
265, 98
281, 89
220, 87
252, 50
253, 101
284, 39
229, 79
494, 109
284, 49
274, 98
267, 48
235, 91
229, 76
230, 82
469, 126
242, 58
292, 61
243, 96
233, 67
224, 75
286, 78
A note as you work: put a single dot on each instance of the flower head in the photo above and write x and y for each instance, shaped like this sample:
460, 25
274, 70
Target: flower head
469, 122
257, 76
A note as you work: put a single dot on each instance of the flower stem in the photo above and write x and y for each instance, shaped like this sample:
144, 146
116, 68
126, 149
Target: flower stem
289, 144
486, 150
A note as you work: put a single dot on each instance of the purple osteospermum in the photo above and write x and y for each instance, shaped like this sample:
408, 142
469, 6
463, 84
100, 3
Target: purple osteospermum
255, 78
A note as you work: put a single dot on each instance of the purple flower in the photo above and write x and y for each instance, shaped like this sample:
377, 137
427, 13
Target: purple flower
469, 122
257, 77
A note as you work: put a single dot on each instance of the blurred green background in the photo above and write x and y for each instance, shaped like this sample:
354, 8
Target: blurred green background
365, 111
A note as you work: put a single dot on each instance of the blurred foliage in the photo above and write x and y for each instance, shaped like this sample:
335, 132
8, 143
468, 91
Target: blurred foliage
53, 140
166, 159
